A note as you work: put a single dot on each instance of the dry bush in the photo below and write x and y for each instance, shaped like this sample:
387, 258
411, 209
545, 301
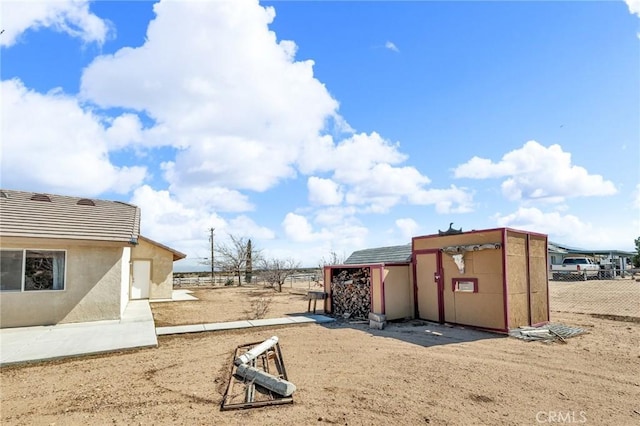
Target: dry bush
259, 307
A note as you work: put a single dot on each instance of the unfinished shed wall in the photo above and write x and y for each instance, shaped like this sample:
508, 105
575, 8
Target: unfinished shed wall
539, 279
473, 237
517, 278
398, 292
483, 307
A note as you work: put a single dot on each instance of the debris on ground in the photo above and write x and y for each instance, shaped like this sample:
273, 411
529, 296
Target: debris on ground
546, 333
258, 377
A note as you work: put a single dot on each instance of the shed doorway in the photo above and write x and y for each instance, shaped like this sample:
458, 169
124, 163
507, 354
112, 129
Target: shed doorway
429, 288
141, 279
351, 292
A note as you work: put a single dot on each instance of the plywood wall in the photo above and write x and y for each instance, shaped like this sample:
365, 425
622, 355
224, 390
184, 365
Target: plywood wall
486, 307
539, 279
474, 237
398, 292
517, 278
527, 282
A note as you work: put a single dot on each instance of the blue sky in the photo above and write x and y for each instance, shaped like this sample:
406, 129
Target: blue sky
313, 127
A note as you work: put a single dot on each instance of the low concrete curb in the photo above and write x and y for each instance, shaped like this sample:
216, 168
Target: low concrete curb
235, 325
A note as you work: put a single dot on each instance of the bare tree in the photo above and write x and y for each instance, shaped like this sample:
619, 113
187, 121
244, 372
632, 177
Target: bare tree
234, 255
333, 259
276, 271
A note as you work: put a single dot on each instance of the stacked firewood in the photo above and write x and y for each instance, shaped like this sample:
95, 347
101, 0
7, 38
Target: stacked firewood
351, 292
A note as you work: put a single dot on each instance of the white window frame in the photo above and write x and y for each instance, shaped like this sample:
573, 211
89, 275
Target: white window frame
23, 270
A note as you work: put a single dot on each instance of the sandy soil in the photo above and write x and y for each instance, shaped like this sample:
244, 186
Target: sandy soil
347, 374
230, 304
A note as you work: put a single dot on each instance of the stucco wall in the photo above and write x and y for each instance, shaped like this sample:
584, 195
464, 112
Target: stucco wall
161, 259
125, 279
398, 292
92, 286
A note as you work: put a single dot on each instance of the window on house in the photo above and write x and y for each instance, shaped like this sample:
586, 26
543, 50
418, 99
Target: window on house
11, 270
32, 270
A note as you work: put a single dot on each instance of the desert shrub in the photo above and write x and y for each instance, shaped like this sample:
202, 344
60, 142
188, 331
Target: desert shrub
259, 307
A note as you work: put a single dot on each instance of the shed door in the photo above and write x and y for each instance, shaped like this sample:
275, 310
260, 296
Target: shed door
428, 287
141, 279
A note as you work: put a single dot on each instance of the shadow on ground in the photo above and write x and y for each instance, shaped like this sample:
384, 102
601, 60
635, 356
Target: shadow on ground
417, 332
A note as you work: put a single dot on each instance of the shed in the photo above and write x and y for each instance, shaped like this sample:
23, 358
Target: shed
493, 279
374, 280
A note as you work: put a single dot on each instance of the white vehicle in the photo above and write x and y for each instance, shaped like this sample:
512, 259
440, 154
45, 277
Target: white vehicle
576, 267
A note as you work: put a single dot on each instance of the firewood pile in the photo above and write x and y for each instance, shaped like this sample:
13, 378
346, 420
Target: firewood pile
351, 292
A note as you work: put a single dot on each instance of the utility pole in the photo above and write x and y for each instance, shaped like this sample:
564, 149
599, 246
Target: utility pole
212, 252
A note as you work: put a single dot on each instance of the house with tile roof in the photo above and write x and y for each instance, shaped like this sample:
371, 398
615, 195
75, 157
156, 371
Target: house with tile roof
70, 259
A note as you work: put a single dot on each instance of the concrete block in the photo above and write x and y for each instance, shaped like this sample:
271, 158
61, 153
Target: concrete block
377, 325
377, 317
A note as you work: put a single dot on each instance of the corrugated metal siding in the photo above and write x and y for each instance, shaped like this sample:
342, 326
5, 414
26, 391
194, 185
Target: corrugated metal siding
393, 254
64, 218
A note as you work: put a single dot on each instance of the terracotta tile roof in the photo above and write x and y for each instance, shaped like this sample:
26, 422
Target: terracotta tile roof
28, 214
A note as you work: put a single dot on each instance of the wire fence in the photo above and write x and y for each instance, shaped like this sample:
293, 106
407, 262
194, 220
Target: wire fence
617, 298
602, 274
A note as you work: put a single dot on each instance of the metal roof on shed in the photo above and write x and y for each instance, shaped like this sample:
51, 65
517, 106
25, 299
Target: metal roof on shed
37, 215
392, 254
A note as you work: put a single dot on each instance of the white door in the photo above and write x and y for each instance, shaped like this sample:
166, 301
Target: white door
141, 279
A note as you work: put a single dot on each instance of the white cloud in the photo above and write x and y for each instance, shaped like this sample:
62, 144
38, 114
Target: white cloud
636, 197
168, 220
236, 102
368, 170
244, 226
324, 191
535, 172
298, 229
185, 226
68, 16
408, 227
212, 198
391, 46
334, 216
66, 152
634, 7
451, 200
568, 229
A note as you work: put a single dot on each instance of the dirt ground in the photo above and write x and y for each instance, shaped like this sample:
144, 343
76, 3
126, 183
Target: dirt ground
409, 374
230, 304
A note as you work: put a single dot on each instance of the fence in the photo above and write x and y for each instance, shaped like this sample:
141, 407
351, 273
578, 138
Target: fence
305, 281
603, 274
